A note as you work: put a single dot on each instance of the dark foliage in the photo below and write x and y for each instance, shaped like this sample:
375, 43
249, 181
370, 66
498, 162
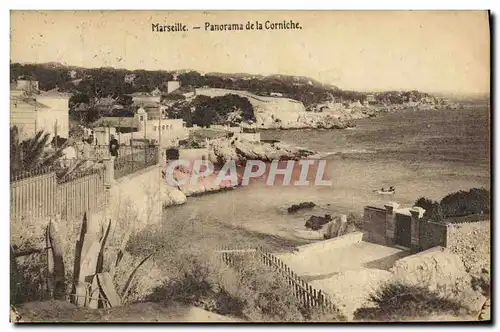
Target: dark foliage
463, 203
216, 110
396, 301
30, 154
78, 98
432, 209
96, 83
399, 97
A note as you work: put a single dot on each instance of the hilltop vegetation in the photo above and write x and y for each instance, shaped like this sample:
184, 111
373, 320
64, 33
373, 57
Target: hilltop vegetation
104, 82
269, 101
115, 82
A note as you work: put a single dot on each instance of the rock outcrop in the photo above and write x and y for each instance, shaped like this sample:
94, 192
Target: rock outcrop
199, 185
240, 150
277, 112
171, 195
316, 222
440, 271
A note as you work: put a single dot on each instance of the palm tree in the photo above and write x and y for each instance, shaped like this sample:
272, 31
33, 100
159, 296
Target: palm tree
30, 154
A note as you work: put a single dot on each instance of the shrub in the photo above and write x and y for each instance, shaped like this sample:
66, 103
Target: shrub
396, 301
432, 209
264, 292
191, 285
458, 204
194, 284
28, 234
463, 203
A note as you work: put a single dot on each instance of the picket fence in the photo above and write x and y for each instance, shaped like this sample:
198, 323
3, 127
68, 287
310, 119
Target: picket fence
40, 194
309, 297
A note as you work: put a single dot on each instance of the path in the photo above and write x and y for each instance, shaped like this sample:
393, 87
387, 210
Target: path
320, 263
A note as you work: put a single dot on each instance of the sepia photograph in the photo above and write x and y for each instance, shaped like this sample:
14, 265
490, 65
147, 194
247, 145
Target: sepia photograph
250, 166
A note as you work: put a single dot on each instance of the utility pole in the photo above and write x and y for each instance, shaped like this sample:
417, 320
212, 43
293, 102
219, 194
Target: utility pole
55, 134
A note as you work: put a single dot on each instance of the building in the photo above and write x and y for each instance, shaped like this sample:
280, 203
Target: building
72, 74
172, 86
129, 78
27, 86
370, 98
32, 110
153, 109
58, 114
168, 131
140, 126
145, 97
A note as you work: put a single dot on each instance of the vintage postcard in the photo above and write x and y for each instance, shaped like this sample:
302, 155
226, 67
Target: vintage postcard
250, 166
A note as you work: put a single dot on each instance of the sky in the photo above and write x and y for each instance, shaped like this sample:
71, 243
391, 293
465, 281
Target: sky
446, 52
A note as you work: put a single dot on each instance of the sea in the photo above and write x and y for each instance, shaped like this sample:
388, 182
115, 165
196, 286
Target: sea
420, 153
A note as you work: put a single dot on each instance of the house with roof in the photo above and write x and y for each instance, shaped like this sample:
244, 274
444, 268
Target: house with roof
146, 97
32, 110
139, 126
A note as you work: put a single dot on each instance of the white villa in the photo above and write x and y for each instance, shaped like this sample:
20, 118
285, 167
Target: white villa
32, 110
140, 126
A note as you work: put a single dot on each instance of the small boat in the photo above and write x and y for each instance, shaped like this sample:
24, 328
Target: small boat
383, 192
390, 191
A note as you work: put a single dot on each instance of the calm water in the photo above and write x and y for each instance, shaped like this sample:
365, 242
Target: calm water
421, 153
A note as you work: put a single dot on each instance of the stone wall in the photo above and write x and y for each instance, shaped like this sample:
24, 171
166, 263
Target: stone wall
137, 196
337, 242
432, 234
374, 224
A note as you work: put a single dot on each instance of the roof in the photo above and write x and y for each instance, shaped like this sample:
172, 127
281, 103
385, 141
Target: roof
29, 101
54, 93
147, 104
116, 122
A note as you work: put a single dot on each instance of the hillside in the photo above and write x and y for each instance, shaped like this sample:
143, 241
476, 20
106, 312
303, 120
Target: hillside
275, 101
114, 81
266, 109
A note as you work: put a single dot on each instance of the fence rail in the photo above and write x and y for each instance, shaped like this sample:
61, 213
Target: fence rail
130, 163
16, 176
309, 297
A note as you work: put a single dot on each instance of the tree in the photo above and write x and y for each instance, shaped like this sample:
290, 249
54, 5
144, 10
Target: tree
432, 208
31, 154
464, 203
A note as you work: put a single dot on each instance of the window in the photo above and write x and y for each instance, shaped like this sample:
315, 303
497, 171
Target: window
141, 118
154, 128
163, 127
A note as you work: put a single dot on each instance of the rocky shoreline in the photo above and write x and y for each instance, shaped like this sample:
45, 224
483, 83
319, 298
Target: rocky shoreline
339, 117
240, 150
220, 151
